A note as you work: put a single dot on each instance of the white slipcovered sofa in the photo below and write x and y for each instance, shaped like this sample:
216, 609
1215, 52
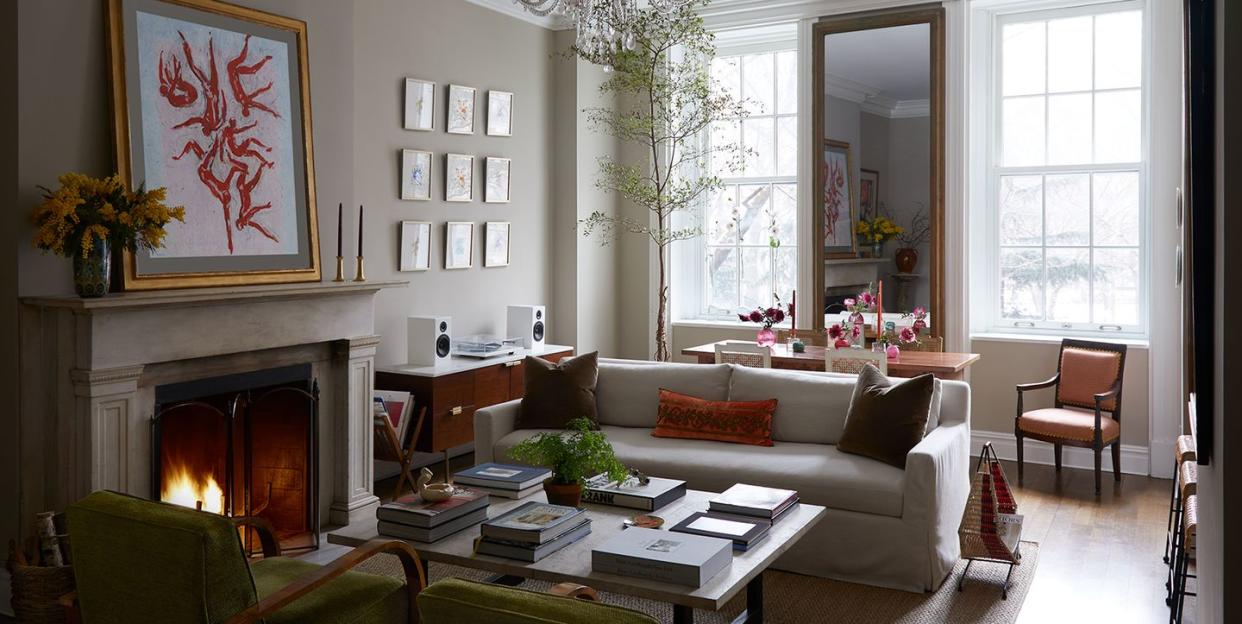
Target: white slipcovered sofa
884, 526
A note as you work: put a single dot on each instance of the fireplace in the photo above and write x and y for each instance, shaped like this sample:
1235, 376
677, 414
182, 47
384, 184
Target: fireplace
835, 296
242, 445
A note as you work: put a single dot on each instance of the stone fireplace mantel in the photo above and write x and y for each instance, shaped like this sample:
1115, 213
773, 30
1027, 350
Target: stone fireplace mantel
89, 368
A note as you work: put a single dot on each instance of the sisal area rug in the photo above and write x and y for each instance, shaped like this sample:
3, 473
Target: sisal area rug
797, 599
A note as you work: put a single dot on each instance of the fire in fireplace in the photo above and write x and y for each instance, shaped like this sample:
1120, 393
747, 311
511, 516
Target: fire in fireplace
242, 445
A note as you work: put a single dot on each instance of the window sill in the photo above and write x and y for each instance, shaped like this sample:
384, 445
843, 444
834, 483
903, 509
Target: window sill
714, 324
1133, 343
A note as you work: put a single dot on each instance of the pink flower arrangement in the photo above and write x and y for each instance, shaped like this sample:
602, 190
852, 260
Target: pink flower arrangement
919, 314
767, 316
841, 334
864, 302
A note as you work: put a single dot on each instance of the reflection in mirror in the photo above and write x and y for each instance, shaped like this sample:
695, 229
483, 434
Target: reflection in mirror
879, 210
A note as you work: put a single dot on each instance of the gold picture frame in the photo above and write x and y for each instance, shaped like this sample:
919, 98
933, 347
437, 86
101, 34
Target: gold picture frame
142, 271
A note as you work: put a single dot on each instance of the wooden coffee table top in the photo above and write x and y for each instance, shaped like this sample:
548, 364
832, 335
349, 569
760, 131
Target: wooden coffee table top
573, 563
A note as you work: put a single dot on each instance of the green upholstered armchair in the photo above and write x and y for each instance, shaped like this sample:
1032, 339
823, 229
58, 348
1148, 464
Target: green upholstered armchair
458, 601
137, 560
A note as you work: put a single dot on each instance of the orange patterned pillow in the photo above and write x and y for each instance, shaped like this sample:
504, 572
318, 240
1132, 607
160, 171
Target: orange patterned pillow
743, 422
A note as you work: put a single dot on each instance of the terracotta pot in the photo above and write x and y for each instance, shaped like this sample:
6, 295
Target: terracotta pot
907, 258
569, 495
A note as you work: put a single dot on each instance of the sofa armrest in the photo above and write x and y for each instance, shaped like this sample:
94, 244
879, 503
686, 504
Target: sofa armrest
936, 489
491, 424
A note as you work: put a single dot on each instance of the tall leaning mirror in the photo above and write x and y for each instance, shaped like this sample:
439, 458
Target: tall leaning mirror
879, 162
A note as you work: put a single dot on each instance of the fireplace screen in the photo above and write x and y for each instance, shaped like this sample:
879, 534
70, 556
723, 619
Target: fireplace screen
242, 445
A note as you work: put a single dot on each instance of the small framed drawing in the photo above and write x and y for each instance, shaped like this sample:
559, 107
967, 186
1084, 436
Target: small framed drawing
499, 113
459, 178
496, 186
458, 245
415, 175
460, 109
496, 244
420, 104
415, 246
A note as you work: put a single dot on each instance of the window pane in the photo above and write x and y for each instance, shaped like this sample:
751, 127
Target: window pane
1022, 131
1116, 208
1067, 209
786, 272
721, 217
787, 146
754, 214
1021, 210
1069, 276
1023, 58
1022, 293
786, 82
1069, 54
1118, 50
1117, 127
1069, 129
724, 134
756, 277
757, 83
722, 272
785, 213
757, 134
1116, 286
727, 77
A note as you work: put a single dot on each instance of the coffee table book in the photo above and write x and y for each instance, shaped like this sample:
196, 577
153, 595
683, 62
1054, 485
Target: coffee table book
532, 523
514, 494
753, 500
743, 532
656, 494
434, 534
502, 476
412, 510
677, 558
534, 552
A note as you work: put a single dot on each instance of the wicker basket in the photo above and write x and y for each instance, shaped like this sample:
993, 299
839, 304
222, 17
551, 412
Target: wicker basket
36, 591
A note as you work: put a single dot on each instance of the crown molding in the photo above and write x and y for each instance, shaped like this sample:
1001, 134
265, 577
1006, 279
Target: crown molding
516, 11
869, 99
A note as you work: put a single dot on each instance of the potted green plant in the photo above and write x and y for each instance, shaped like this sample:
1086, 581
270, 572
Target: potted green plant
575, 455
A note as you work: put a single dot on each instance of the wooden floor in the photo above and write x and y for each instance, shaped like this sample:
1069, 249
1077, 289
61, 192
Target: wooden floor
1099, 559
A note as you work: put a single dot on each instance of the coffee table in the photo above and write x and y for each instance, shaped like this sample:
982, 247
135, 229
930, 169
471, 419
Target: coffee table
573, 563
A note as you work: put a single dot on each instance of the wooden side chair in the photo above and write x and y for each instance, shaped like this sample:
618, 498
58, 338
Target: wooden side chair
1088, 384
388, 447
743, 353
852, 361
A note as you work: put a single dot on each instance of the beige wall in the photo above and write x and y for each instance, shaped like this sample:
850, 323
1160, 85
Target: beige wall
10, 243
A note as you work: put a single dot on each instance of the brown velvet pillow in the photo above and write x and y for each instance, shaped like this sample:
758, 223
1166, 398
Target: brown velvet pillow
558, 393
885, 420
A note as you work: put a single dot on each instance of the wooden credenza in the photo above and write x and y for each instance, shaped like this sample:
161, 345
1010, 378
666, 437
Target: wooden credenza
453, 391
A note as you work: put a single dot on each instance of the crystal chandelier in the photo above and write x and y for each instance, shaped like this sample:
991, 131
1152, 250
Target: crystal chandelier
604, 26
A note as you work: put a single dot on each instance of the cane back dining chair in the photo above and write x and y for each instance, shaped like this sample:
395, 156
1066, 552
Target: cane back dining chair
743, 354
1087, 408
852, 361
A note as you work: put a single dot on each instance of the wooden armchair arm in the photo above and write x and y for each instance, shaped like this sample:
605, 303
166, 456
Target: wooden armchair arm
1111, 394
574, 590
267, 533
415, 579
1048, 383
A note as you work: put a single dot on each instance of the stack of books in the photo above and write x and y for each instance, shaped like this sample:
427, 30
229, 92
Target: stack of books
743, 532
504, 480
533, 531
662, 556
752, 501
412, 518
632, 493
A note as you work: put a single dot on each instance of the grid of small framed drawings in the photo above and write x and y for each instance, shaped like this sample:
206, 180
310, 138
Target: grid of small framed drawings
418, 175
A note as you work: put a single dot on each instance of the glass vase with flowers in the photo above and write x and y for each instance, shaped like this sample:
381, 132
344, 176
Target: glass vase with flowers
768, 317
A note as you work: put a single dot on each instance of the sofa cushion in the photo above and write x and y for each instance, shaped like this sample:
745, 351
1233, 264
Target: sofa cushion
811, 407
628, 393
820, 473
740, 422
557, 393
887, 419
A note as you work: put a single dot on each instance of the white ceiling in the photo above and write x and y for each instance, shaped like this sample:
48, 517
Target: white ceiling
893, 63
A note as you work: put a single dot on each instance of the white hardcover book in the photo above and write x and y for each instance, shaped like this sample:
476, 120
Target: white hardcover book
678, 558
630, 493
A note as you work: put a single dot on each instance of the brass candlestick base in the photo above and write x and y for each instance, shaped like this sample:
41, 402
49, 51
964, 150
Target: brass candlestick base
360, 276
340, 269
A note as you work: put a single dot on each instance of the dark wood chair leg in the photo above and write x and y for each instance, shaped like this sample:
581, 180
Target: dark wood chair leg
1056, 455
1117, 461
1019, 458
1098, 453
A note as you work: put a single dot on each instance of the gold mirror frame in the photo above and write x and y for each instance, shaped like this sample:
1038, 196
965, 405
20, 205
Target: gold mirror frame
871, 20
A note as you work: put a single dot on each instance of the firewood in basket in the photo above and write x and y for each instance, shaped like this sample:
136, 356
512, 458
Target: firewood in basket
49, 544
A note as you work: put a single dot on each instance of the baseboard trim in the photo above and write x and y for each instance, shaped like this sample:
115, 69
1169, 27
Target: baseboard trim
1134, 459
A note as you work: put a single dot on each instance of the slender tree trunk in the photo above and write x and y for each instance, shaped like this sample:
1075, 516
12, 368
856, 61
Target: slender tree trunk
661, 336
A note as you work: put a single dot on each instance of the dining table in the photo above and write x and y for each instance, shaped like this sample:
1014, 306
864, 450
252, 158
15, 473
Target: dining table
941, 364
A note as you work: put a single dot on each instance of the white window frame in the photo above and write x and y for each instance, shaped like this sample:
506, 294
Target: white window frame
1007, 12
690, 257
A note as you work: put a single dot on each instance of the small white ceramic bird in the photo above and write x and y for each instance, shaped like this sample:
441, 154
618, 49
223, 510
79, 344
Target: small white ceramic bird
432, 492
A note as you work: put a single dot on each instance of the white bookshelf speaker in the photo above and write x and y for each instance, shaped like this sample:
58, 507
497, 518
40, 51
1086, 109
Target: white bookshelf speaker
527, 323
430, 339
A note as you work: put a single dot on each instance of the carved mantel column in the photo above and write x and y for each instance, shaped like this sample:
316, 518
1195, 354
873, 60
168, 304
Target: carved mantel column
352, 498
106, 402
